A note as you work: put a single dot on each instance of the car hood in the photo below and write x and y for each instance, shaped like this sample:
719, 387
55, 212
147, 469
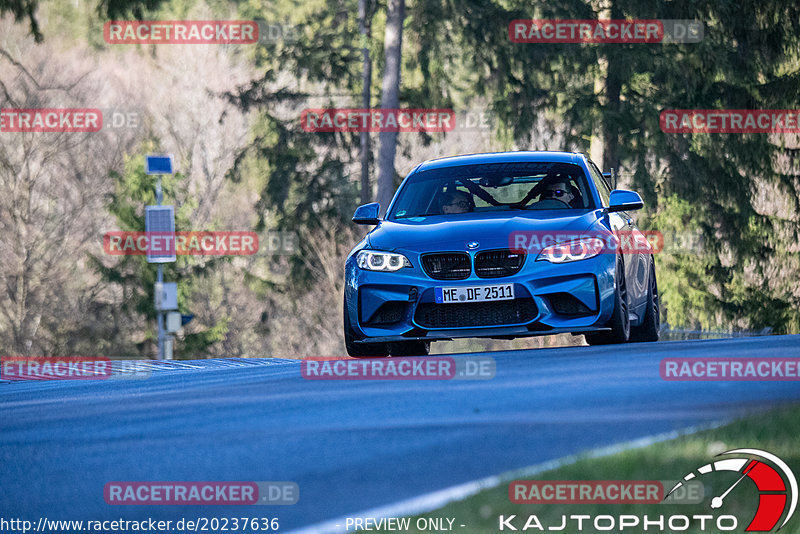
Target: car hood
490, 230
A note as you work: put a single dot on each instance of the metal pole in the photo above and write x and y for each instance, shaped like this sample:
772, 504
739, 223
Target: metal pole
160, 279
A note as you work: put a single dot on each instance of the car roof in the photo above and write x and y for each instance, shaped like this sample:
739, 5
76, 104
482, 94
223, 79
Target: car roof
501, 157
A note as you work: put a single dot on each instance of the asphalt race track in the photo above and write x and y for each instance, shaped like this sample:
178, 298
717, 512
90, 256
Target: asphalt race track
350, 445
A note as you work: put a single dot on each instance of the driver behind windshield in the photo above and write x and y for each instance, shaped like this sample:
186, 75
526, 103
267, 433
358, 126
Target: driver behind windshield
454, 201
558, 191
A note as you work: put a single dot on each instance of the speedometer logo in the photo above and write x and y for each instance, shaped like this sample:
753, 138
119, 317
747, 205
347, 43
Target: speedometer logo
775, 499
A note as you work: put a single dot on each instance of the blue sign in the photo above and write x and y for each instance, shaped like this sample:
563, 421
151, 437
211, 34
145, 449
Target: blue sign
158, 164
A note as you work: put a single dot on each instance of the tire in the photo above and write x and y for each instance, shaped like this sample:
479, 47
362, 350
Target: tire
410, 348
361, 350
651, 326
620, 322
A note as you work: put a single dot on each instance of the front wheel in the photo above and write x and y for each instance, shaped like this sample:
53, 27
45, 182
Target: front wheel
361, 350
620, 322
651, 326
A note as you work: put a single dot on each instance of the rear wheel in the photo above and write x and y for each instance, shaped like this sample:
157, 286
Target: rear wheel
651, 326
361, 350
410, 348
620, 322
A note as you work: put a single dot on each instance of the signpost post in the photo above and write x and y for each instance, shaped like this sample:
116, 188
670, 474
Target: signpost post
161, 220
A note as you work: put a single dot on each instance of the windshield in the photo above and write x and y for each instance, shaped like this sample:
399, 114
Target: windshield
493, 187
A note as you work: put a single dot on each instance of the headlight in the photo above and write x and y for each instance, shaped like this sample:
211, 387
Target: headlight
580, 249
373, 260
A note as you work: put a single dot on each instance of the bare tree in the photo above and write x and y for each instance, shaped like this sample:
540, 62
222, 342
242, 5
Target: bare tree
390, 97
51, 203
54, 186
365, 30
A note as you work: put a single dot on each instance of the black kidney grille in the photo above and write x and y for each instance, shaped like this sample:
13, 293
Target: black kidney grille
498, 263
517, 311
447, 266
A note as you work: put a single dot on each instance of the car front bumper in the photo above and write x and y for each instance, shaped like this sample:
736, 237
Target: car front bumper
549, 299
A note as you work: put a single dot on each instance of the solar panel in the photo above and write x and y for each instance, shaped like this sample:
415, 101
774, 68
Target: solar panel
159, 227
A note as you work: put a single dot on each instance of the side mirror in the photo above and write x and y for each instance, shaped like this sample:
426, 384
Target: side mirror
367, 214
623, 200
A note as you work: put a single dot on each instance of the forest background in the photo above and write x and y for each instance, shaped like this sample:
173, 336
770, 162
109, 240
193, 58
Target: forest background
230, 114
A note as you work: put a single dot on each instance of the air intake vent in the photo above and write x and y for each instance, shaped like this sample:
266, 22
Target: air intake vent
389, 313
566, 304
517, 311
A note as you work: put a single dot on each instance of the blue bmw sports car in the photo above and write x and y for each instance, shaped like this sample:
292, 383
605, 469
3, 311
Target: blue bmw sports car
500, 245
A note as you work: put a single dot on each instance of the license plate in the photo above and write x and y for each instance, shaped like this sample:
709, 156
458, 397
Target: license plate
453, 295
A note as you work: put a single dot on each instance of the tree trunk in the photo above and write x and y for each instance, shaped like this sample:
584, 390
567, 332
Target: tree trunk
596, 145
611, 137
390, 98
613, 88
364, 28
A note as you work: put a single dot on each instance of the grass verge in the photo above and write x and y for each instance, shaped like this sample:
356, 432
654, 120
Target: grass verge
777, 432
